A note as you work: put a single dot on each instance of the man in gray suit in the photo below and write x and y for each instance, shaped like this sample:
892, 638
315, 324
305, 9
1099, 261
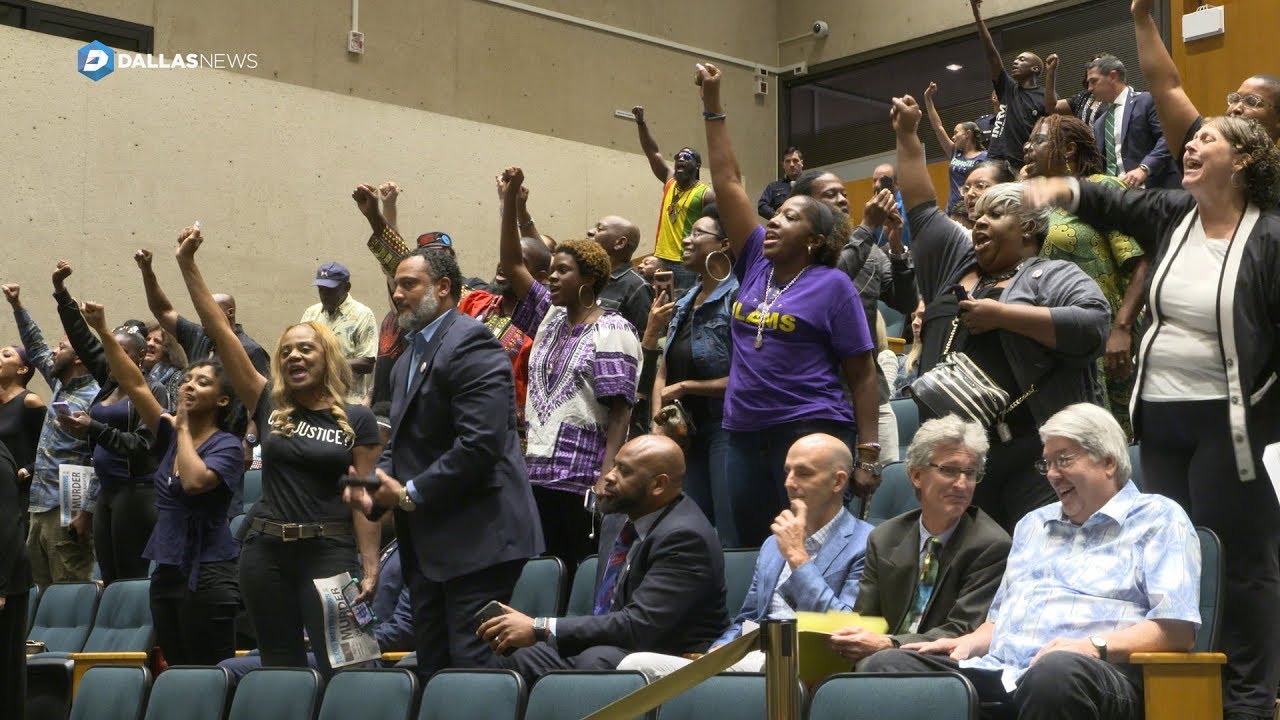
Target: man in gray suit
933, 572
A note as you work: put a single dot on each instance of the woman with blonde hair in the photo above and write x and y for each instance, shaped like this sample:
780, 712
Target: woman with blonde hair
300, 529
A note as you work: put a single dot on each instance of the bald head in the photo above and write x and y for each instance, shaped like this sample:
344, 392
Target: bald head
228, 305
828, 450
537, 257
617, 235
818, 469
647, 474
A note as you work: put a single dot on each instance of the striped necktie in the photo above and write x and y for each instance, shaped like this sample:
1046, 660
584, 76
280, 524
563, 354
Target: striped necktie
924, 585
617, 559
1109, 136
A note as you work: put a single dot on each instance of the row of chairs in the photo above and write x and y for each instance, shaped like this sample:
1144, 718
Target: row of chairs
204, 693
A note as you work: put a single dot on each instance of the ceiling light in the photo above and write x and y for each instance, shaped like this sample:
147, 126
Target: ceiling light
954, 67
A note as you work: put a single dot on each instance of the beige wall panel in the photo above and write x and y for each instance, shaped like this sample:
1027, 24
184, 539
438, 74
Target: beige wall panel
97, 170
476, 60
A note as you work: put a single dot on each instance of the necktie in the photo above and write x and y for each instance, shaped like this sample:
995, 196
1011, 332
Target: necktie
617, 558
924, 586
417, 348
1109, 136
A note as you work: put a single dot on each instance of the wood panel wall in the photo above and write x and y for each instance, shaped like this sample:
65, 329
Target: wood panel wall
1215, 66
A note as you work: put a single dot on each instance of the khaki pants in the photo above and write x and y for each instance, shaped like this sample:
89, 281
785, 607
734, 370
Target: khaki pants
55, 557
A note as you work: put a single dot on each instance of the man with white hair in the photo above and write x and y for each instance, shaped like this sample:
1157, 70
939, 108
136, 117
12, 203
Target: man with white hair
1103, 573
932, 573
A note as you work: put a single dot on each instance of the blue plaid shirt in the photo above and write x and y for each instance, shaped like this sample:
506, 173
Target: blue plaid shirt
1135, 559
56, 446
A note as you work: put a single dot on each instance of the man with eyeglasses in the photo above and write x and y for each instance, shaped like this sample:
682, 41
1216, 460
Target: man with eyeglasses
683, 197
931, 573
1105, 572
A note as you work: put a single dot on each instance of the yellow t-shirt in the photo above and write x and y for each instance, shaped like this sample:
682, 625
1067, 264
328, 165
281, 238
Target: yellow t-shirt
680, 208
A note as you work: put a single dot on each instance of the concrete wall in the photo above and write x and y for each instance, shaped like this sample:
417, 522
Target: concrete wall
96, 170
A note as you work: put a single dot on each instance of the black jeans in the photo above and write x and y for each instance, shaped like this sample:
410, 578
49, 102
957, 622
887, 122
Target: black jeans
275, 579
196, 627
1187, 455
1060, 686
122, 525
1011, 486
566, 525
13, 655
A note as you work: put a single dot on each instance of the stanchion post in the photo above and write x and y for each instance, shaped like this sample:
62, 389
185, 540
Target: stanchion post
781, 669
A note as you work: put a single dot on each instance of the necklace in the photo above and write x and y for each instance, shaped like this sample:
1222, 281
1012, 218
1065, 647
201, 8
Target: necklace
676, 196
771, 297
986, 281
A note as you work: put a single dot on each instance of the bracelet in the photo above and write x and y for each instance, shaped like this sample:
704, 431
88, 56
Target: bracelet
708, 115
870, 446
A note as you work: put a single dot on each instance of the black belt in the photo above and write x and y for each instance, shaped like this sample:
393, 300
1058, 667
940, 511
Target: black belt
289, 532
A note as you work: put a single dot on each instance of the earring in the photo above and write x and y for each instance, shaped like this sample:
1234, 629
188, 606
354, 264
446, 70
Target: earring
724, 255
584, 303
1235, 180
1069, 170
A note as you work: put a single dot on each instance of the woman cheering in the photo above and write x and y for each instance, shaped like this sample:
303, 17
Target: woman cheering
798, 330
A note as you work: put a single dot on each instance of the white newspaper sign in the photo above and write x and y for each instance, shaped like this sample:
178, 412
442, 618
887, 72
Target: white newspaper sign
73, 486
344, 642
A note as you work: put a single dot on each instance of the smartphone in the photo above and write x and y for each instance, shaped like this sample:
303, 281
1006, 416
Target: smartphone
361, 612
371, 482
62, 408
664, 280
489, 612
884, 183
960, 293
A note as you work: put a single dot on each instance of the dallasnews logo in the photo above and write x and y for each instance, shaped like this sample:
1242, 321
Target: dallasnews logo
96, 61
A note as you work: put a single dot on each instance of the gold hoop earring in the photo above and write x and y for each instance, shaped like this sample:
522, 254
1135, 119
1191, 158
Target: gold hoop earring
584, 303
1235, 177
707, 263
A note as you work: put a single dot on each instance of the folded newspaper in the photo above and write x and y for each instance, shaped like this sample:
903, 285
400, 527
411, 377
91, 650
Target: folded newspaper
344, 642
73, 487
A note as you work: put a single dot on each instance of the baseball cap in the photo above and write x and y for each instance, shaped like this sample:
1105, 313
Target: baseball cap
331, 275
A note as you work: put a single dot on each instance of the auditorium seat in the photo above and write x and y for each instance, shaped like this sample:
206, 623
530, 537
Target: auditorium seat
473, 695
65, 615
727, 696
112, 693
908, 416
894, 696
739, 568
188, 692
386, 694
540, 590
577, 693
252, 488
582, 594
895, 495
277, 693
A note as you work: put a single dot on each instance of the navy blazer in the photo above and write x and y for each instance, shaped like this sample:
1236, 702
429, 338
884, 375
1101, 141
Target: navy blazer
827, 583
1141, 140
669, 597
453, 434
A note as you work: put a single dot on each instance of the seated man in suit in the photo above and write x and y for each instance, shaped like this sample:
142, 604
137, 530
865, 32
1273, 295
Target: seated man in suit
660, 579
1128, 129
812, 563
1104, 573
932, 573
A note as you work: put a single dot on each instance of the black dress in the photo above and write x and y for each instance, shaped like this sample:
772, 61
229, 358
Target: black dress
15, 583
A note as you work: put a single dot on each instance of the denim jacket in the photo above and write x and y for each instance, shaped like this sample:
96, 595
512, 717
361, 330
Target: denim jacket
712, 343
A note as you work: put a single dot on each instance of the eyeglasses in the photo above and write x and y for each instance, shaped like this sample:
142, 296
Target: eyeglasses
684, 155
1062, 462
953, 472
695, 232
1252, 101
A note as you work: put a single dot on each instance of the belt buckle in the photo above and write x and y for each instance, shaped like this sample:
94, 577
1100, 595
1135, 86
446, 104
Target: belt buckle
290, 532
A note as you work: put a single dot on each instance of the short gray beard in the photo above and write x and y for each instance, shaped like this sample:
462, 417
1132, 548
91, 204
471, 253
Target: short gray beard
416, 318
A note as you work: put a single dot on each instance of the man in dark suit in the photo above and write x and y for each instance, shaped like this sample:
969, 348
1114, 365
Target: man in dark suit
452, 469
1128, 129
659, 583
925, 589
811, 563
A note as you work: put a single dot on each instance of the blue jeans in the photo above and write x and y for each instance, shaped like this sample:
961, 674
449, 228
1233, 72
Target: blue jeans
706, 481
755, 468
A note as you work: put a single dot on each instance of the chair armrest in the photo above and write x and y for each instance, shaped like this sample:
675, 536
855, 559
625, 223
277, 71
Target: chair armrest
1168, 658
85, 660
394, 657
897, 345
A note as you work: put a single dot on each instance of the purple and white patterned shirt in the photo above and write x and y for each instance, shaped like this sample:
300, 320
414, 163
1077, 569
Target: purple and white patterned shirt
574, 371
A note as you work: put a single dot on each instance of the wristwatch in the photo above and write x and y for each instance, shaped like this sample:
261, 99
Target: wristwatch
404, 502
1100, 644
875, 468
540, 631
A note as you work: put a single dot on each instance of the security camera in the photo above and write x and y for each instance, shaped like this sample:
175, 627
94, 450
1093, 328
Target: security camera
821, 29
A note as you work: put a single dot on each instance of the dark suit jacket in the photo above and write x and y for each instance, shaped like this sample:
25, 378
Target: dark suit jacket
829, 582
670, 597
1141, 140
453, 433
969, 572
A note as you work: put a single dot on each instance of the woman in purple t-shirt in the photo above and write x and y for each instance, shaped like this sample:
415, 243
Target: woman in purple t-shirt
194, 593
798, 330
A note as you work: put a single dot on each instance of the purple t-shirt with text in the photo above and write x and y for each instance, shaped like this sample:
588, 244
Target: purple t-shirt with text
795, 373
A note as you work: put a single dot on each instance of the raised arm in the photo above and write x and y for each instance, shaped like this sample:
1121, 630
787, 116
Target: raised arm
994, 63
38, 351
87, 347
126, 373
1177, 112
157, 301
737, 212
246, 380
389, 192
658, 164
510, 255
913, 174
1052, 105
935, 120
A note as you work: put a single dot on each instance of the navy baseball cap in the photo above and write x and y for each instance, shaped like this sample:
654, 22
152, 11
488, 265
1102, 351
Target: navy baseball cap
332, 275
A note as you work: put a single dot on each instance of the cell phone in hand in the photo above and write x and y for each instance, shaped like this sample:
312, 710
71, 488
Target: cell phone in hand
62, 408
884, 183
960, 293
370, 482
664, 280
360, 611
489, 612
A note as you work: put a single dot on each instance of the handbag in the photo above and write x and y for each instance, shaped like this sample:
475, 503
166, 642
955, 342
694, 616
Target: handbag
957, 386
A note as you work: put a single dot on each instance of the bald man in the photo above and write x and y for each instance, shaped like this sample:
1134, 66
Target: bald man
659, 582
191, 336
627, 292
812, 563
1019, 92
